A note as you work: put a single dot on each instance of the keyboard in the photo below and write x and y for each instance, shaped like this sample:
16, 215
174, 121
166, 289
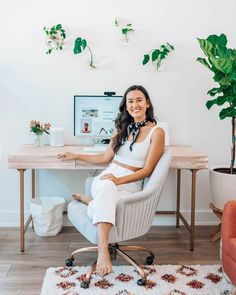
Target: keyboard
96, 148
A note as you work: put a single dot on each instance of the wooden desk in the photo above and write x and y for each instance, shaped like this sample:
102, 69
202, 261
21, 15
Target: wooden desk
45, 157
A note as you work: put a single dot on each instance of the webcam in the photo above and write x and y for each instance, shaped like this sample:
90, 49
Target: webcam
109, 93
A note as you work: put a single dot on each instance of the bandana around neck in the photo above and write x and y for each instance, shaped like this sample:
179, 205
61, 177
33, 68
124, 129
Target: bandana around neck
134, 129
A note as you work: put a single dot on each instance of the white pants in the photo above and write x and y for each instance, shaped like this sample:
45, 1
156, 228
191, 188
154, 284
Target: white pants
106, 194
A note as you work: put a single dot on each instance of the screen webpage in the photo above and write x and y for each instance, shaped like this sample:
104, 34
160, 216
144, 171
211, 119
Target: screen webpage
95, 115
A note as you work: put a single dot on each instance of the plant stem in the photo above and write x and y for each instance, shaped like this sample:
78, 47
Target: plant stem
233, 144
91, 58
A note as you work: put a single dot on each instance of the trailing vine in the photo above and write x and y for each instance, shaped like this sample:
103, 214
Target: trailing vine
157, 55
125, 30
55, 38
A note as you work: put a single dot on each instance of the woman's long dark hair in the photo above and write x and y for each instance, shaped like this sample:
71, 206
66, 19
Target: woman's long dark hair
124, 118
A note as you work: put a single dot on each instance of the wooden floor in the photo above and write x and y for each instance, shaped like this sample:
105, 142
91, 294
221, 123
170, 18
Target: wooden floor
22, 273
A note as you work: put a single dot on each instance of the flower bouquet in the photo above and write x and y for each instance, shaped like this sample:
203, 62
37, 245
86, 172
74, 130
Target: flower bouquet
38, 129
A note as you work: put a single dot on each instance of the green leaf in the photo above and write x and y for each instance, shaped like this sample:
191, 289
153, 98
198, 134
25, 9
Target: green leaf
225, 81
221, 100
206, 46
227, 112
77, 50
218, 75
204, 62
162, 55
116, 22
130, 30
49, 51
146, 59
155, 54
233, 76
58, 27
213, 91
124, 31
220, 41
170, 46
224, 65
78, 41
210, 103
83, 43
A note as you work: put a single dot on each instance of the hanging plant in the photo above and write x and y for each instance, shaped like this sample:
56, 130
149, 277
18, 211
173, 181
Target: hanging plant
55, 38
125, 30
157, 55
81, 45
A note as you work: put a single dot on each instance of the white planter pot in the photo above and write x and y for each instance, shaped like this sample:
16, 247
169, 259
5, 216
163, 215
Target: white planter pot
223, 187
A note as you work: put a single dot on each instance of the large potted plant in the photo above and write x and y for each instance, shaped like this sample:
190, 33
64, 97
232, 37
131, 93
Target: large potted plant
221, 60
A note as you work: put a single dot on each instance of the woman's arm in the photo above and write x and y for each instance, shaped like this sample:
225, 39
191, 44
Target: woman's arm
101, 158
154, 154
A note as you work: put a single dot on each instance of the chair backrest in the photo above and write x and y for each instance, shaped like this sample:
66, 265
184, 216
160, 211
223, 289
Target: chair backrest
159, 174
135, 214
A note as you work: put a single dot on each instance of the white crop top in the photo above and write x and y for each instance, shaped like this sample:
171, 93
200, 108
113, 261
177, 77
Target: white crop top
138, 156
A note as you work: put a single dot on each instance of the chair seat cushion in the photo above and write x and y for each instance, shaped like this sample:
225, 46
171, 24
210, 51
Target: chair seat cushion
232, 248
77, 214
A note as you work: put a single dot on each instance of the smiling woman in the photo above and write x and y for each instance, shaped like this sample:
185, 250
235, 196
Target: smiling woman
134, 150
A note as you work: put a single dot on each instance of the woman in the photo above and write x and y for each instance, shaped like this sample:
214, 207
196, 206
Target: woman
134, 150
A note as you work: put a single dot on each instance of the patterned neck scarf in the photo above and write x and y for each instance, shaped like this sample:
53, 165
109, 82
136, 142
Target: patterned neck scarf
134, 129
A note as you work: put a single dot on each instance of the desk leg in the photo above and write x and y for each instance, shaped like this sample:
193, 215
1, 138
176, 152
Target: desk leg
33, 183
33, 190
193, 199
178, 196
22, 232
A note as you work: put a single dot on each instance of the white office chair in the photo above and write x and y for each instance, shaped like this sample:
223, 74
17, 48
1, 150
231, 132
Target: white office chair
134, 216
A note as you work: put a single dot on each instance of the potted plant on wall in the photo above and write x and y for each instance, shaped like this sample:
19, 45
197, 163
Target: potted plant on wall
221, 60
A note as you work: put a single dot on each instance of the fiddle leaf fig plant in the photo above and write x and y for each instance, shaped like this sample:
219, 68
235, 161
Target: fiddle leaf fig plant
55, 37
125, 30
221, 60
157, 55
79, 46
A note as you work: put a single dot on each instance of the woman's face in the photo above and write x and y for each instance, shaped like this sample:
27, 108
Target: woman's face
136, 105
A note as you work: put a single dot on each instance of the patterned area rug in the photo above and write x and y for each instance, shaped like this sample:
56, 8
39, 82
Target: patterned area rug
162, 280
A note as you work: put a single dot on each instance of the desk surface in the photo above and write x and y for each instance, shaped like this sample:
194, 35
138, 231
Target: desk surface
45, 157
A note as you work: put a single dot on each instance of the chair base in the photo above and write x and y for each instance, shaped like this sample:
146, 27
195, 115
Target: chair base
114, 249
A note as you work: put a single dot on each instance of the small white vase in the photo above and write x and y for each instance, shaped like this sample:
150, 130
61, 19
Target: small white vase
38, 139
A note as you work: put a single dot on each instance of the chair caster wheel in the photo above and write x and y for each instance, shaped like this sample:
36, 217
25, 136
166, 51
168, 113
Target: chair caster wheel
141, 282
69, 261
149, 260
84, 285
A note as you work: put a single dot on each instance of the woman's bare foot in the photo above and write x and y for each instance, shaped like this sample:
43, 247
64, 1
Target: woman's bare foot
104, 265
81, 198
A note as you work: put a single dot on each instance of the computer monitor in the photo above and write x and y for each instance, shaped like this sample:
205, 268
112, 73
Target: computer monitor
94, 115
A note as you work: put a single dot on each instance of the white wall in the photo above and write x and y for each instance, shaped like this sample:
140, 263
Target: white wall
34, 85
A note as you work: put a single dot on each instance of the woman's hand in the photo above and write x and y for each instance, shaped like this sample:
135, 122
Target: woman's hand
66, 156
111, 177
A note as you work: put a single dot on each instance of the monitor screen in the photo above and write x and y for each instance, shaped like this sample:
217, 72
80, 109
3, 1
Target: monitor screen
95, 115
